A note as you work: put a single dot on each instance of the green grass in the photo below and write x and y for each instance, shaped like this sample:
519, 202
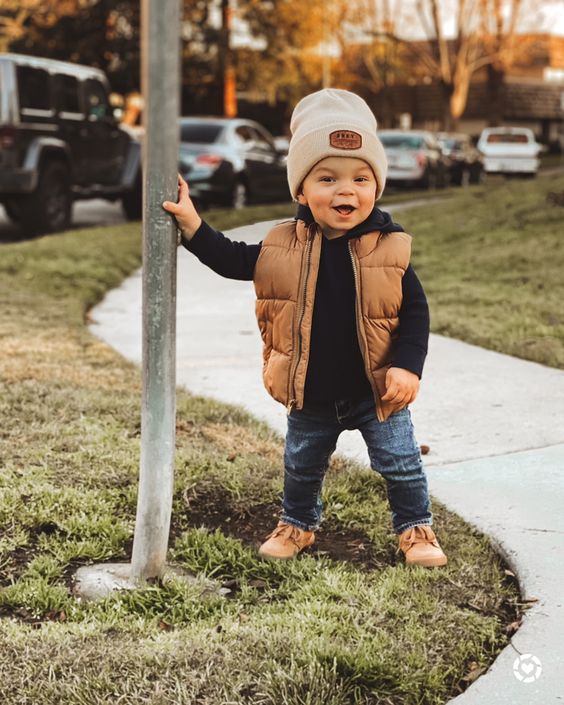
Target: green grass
315, 630
491, 262
548, 161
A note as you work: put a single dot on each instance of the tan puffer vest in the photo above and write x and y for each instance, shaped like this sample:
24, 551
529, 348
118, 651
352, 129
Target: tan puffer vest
285, 279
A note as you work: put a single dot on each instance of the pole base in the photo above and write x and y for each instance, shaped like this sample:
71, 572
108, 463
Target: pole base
96, 582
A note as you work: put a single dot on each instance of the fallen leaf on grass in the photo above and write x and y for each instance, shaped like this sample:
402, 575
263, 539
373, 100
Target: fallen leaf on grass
475, 670
56, 616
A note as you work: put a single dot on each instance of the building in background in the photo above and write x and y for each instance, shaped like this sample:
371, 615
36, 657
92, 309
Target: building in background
529, 94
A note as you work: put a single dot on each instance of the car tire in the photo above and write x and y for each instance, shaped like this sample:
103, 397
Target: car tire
48, 209
198, 204
239, 195
132, 201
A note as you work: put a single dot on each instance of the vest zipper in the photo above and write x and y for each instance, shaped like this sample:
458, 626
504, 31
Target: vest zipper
301, 312
361, 337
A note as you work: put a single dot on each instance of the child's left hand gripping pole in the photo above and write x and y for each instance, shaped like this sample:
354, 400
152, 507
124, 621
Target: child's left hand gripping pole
184, 211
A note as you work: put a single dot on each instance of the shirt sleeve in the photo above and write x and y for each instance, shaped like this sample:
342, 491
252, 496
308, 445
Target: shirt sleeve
228, 258
414, 325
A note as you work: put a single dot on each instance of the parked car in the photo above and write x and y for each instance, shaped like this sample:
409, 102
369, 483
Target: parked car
465, 161
231, 161
415, 158
59, 142
509, 150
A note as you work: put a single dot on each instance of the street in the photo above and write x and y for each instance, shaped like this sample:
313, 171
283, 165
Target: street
86, 214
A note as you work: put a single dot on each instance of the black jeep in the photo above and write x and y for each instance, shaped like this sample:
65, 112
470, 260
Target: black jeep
59, 142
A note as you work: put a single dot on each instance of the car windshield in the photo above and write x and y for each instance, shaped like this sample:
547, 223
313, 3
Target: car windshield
402, 141
200, 132
513, 138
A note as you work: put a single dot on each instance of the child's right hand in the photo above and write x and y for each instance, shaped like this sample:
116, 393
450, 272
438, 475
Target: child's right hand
186, 215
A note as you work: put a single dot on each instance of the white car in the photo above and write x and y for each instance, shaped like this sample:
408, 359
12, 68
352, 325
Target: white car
509, 150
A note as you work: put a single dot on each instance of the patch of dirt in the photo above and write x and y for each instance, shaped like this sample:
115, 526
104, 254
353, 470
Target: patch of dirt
252, 525
17, 560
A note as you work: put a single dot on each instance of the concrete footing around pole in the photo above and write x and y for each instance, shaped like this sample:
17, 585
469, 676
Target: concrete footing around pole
96, 582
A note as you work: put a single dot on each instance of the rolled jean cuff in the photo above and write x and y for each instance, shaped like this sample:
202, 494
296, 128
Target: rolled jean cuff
299, 524
410, 524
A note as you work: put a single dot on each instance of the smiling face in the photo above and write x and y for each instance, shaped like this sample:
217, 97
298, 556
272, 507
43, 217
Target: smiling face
340, 192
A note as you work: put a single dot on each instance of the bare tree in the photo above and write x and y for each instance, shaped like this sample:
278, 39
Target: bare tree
377, 65
505, 45
485, 34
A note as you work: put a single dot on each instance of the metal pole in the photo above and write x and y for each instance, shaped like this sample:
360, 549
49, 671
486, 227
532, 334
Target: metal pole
160, 86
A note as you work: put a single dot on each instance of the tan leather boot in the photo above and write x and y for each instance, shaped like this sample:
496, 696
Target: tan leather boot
286, 541
421, 547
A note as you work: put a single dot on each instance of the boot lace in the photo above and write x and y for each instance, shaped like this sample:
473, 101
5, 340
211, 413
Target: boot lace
288, 532
418, 534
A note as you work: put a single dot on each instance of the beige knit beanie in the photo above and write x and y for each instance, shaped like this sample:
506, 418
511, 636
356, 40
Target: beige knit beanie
333, 123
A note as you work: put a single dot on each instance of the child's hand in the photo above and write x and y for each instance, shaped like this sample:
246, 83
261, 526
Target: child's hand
402, 386
186, 215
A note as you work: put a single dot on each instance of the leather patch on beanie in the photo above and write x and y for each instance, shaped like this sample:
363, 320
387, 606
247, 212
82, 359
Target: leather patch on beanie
345, 139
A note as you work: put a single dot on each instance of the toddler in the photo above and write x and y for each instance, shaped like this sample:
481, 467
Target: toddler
343, 319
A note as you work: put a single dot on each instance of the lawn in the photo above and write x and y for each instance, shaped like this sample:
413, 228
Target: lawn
491, 262
345, 623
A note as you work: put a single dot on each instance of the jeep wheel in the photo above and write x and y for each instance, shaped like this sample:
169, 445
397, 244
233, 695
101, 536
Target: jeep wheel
48, 208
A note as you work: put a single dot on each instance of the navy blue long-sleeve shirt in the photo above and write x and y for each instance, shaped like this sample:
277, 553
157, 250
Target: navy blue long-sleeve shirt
336, 368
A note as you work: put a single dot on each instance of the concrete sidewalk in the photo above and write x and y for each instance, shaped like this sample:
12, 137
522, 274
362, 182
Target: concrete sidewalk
494, 425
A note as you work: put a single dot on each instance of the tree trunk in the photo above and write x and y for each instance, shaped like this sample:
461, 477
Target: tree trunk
459, 96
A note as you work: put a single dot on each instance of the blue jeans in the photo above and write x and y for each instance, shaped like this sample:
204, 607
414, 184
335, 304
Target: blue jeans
393, 451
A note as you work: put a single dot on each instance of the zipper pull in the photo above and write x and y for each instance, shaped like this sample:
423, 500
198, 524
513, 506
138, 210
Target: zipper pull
290, 406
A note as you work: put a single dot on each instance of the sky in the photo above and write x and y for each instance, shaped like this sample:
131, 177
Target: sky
553, 20
548, 18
